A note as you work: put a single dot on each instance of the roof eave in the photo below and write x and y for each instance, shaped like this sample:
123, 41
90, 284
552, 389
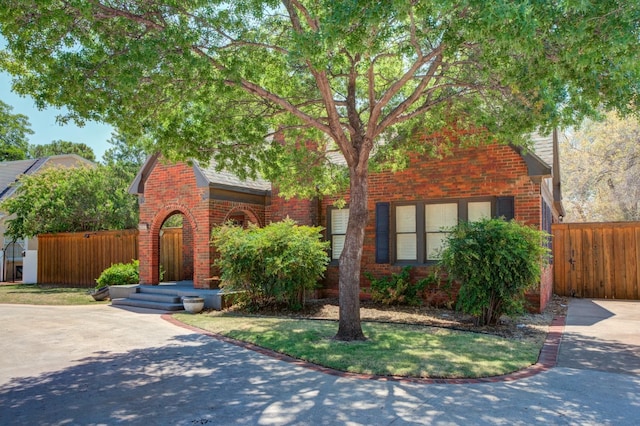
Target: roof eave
137, 186
254, 191
536, 167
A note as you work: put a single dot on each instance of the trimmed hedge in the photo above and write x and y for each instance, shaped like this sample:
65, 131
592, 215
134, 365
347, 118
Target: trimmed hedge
274, 265
496, 262
119, 274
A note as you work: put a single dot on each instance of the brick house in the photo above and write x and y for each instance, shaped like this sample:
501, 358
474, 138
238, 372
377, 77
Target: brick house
407, 208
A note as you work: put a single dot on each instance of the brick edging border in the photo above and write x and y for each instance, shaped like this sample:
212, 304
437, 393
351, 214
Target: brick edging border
547, 359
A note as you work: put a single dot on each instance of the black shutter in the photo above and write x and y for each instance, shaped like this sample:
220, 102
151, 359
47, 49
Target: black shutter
506, 208
382, 232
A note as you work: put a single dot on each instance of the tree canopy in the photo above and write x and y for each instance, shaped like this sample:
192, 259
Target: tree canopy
601, 170
14, 131
278, 86
125, 154
59, 147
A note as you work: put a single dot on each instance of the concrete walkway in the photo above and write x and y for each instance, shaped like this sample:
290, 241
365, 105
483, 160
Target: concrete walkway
95, 365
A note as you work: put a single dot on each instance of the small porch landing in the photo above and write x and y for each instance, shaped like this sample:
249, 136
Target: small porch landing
166, 296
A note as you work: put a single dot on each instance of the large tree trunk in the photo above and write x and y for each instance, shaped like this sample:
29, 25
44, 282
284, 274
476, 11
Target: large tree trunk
349, 328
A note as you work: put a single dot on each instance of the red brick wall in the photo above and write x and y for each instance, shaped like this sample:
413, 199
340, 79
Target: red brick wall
170, 189
473, 172
544, 293
304, 212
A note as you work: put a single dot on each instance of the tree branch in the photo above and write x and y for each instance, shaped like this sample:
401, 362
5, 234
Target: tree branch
415, 95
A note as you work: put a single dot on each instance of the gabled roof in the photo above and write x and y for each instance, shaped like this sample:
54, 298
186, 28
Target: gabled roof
227, 180
539, 158
545, 161
10, 171
205, 177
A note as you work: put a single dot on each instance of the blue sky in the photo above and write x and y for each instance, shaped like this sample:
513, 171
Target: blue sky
45, 127
43, 122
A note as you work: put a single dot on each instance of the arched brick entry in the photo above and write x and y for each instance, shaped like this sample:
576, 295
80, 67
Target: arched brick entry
243, 216
205, 198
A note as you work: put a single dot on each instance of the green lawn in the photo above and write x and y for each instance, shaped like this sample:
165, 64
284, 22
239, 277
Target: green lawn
32, 294
391, 349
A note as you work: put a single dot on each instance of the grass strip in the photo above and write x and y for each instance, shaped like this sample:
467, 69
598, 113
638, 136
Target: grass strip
391, 349
32, 294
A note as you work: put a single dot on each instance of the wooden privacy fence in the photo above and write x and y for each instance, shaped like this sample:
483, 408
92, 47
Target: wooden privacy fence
78, 258
597, 260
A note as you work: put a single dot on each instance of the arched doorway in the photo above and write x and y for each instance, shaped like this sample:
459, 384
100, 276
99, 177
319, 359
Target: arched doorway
176, 249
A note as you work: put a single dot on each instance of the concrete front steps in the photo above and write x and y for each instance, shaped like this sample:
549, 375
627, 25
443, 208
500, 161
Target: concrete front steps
165, 297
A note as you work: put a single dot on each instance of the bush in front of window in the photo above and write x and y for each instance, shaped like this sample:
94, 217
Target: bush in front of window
496, 262
270, 266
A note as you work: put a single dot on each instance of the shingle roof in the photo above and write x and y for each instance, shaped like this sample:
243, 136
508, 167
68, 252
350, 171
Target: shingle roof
205, 176
543, 147
227, 179
10, 171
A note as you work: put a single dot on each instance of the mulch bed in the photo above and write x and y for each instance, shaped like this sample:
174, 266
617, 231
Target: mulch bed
530, 327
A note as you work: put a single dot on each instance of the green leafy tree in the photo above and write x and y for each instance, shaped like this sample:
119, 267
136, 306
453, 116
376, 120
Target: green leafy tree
277, 87
123, 161
59, 147
14, 131
127, 153
600, 165
69, 200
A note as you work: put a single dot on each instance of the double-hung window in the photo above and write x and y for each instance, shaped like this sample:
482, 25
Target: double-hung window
478, 210
338, 229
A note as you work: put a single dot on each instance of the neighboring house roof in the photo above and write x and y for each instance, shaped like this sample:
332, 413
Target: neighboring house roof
205, 176
11, 171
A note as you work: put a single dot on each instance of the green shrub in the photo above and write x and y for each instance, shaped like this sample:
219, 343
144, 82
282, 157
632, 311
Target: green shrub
496, 262
395, 289
119, 274
273, 265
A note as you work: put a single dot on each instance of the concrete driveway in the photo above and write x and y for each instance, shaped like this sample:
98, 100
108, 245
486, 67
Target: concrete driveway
95, 365
602, 335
